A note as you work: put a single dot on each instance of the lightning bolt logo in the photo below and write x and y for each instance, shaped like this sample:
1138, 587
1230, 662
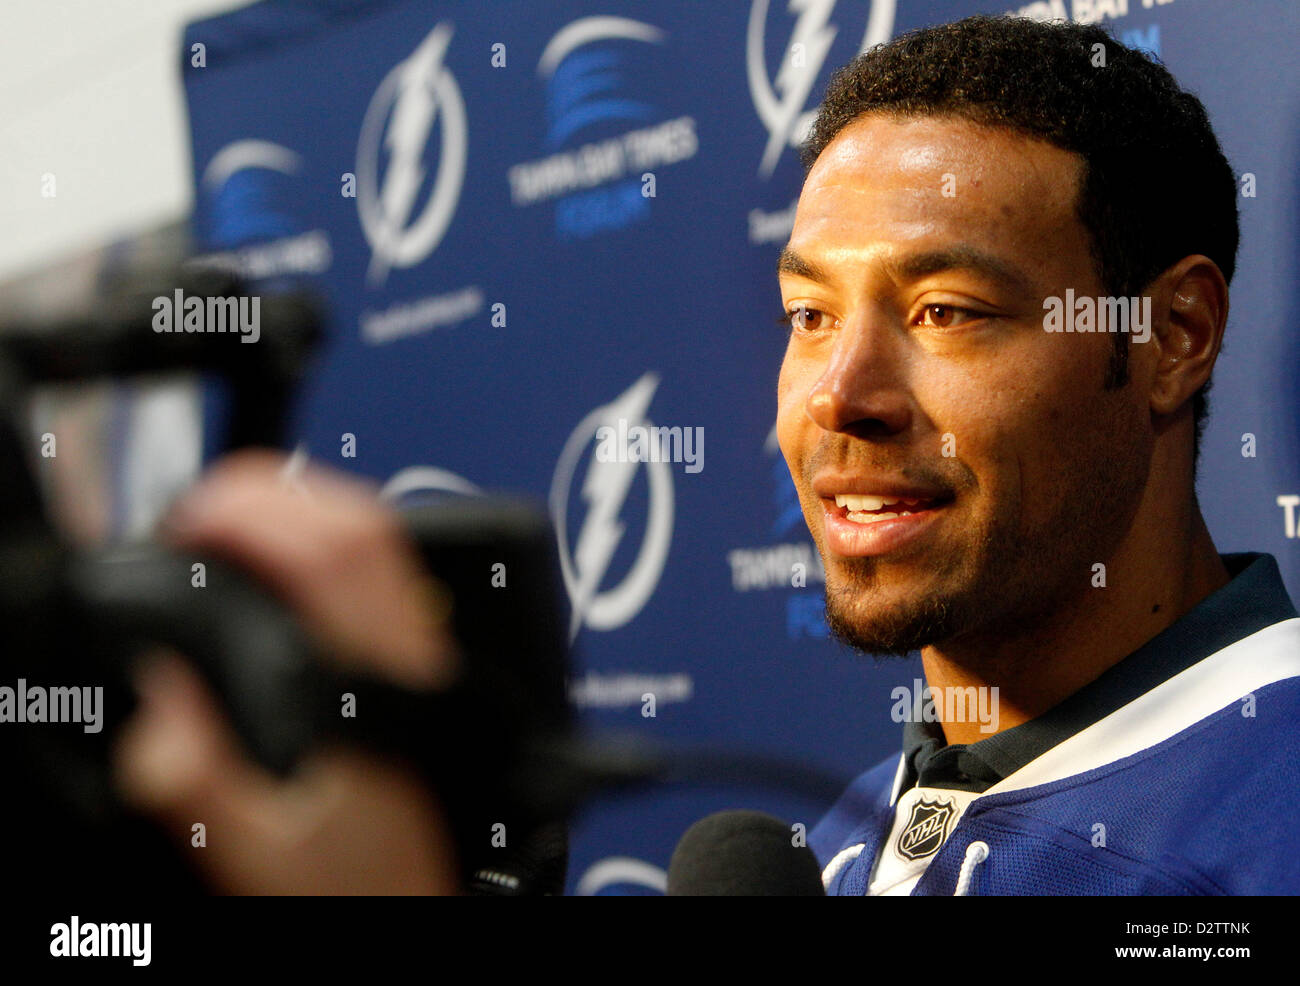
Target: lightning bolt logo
604, 492
408, 132
810, 42
421, 92
780, 104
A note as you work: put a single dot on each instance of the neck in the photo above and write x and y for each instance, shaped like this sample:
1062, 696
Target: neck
1158, 574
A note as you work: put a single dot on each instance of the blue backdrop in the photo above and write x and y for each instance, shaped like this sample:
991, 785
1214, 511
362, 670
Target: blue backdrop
534, 219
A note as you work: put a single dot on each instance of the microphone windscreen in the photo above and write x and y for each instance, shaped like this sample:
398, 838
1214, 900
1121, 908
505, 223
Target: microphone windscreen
742, 854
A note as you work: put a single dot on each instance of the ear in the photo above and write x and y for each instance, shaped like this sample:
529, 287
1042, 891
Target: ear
1190, 309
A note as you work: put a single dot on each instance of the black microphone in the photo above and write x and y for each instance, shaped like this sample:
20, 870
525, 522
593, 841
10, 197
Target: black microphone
742, 854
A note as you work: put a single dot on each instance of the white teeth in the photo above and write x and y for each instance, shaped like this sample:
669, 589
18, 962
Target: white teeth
856, 503
866, 518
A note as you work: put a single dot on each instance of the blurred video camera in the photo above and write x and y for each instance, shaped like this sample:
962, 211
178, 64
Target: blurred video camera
494, 746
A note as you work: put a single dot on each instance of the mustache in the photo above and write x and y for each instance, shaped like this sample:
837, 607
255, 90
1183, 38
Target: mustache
947, 473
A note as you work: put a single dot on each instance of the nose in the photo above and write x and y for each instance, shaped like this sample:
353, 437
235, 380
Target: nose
862, 391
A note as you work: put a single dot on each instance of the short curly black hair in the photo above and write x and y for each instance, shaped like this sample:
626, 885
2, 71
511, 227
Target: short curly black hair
1147, 145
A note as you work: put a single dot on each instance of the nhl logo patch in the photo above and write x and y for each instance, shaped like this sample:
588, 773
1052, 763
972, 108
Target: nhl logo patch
926, 829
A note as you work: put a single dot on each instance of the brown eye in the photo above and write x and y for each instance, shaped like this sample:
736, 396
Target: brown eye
941, 315
801, 318
944, 316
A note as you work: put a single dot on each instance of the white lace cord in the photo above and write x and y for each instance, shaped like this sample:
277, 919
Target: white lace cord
976, 853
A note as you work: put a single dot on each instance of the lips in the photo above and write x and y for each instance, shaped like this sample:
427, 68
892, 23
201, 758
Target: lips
870, 518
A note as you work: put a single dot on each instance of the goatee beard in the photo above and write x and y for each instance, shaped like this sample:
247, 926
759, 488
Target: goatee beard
898, 634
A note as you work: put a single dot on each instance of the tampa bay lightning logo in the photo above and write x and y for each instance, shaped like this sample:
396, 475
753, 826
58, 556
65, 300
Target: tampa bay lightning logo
781, 103
582, 82
416, 94
585, 559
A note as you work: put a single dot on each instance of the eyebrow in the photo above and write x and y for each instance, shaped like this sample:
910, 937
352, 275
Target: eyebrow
918, 265
791, 263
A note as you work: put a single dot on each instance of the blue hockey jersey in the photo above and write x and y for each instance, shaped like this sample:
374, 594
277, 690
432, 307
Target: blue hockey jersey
1187, 789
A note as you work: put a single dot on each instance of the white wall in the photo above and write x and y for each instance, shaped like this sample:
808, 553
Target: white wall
90, 92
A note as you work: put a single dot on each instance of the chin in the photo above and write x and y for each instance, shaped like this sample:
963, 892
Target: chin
894, 630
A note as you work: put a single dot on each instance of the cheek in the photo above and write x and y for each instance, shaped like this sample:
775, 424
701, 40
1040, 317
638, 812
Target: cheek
790, 417
962, 410
1003, 416
1039, 428
787, 378
1036, 387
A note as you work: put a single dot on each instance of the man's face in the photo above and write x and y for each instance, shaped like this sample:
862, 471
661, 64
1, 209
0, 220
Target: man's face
919, 368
